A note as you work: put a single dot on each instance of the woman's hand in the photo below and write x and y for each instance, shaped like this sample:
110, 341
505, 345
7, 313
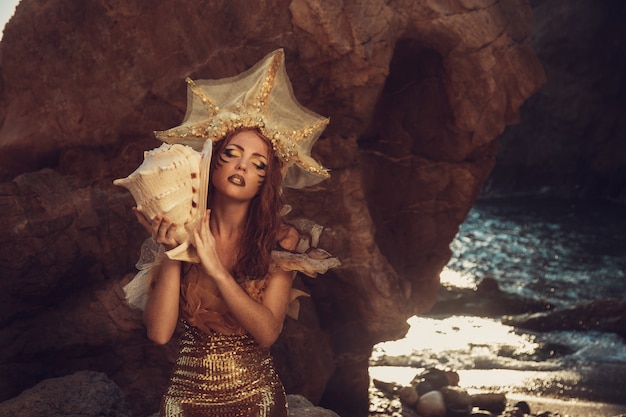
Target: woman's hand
207, 249
161, 230
262, 319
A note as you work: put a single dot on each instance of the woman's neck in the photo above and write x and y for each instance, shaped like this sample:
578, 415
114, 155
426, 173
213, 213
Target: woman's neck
228, 218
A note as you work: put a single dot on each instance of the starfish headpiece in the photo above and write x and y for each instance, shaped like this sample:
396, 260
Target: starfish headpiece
260, 98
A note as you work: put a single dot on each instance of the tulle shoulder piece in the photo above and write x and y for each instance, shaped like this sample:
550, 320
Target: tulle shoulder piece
150, 257
300, 252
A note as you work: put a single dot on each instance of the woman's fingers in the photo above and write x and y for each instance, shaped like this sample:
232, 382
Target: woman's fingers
156, 227
204, 226
160, 229
171, 230
206, 219
142, 220
202, 233
198, 243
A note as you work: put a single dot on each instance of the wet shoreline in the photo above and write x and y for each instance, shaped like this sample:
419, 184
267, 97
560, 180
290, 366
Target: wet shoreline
539, 251
491, 357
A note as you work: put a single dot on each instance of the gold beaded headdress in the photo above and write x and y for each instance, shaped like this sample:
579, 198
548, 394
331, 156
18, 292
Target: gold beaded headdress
260, 98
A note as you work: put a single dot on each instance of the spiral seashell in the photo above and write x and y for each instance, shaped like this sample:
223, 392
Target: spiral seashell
173, 181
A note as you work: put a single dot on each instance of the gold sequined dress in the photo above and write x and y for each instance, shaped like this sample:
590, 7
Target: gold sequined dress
221, 370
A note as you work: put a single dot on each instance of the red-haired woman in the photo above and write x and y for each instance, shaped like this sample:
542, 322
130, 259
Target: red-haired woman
234, 302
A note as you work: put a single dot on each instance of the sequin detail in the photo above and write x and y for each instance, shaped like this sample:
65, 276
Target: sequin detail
223, 376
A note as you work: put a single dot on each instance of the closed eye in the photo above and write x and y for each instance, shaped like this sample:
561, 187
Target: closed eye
236, 151
231, 152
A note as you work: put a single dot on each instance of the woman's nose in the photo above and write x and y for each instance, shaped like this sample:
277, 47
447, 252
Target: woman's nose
242, 165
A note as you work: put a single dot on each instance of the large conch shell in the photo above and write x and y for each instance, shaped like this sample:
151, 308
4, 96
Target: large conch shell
173, 181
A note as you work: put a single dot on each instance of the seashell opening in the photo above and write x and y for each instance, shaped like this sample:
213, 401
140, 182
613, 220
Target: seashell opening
173, 181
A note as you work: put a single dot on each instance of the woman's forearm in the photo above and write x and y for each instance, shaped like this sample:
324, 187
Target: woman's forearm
263, 321
161, 312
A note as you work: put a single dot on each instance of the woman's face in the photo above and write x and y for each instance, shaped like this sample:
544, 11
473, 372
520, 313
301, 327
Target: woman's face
241, 166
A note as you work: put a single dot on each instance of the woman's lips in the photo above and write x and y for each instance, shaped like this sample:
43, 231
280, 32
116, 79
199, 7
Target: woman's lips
237, 180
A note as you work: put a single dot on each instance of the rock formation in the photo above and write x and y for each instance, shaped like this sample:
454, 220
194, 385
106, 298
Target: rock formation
93, 394
608, 315
417, 91
83, 393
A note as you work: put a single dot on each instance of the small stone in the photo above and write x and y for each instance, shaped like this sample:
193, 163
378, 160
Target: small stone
408, 396
456, 398
451, 412
423, 387
494, 402
436, 377
514, 412
481, 413
386, 387
488, 286
431, 404
523, 405
452, 377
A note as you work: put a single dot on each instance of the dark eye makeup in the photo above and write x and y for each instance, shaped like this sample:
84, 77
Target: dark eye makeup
233, 151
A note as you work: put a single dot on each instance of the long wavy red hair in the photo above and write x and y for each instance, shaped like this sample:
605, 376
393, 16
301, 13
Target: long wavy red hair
264, 220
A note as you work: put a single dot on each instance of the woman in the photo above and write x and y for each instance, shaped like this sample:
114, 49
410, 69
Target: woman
233, 302
243, 171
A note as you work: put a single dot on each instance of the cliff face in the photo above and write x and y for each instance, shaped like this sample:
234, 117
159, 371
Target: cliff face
417, 92
572, 137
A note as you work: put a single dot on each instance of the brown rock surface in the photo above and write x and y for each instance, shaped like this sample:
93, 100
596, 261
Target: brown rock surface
85, 393
417, 92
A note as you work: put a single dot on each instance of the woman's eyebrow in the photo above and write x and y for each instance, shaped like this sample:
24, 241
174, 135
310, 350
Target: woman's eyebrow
236, 146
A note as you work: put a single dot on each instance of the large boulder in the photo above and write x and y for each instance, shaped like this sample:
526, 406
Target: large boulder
417, 92
83, 394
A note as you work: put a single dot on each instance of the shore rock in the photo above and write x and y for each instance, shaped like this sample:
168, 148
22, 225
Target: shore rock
93, 394
408, 396
457, 400
83, 394
431, 404
608, 315
299, 406
494, 402
487, 300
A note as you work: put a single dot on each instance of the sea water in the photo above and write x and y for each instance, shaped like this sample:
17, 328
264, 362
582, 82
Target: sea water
562, 252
